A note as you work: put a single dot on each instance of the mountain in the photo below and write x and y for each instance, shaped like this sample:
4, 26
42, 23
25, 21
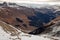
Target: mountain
29, 20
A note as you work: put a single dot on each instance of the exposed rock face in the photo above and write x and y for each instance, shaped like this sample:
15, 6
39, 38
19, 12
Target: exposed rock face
29, 20
17, 18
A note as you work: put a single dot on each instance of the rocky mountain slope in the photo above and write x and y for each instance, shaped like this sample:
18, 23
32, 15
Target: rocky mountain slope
30, 20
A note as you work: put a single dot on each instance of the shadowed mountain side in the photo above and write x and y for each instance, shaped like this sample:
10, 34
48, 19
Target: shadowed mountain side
43, 28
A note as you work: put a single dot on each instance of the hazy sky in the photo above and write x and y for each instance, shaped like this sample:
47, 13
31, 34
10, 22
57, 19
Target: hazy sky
32, 1
28, 0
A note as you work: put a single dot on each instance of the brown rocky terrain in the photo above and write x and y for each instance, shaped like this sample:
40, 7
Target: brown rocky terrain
19, 18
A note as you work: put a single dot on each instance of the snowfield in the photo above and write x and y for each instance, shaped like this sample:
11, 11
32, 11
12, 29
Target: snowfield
8, 32
6, 36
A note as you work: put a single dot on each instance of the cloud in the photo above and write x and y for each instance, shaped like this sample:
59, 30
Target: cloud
25, 0
33, 1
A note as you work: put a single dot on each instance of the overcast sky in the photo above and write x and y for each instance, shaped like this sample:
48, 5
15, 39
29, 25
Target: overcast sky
34, 1
28, 0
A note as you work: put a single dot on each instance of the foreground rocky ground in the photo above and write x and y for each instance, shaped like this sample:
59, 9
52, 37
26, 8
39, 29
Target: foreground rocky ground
8, 32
